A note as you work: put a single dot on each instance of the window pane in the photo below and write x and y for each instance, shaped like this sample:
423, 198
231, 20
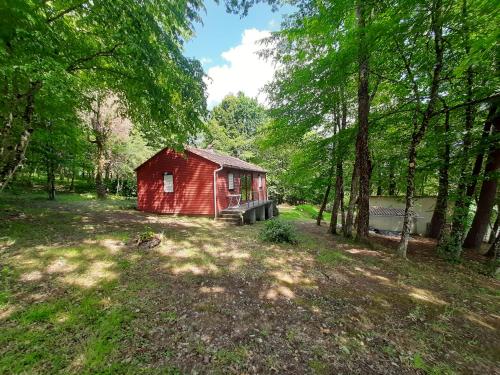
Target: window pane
230, 181
168, 182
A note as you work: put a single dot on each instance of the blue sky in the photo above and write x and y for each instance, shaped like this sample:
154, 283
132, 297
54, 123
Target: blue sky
226, 46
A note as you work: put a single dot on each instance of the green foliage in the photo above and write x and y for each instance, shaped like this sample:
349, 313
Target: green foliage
147, 234
278, 231
233, 126
55, 55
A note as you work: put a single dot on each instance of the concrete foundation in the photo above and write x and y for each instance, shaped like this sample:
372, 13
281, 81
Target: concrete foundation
250, 217
260, 212
269, 211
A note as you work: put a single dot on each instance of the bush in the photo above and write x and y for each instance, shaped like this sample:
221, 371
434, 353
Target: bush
278, 231
147, 235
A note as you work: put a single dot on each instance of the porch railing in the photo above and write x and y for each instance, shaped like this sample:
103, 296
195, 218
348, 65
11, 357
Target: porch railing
256, 197
236, 200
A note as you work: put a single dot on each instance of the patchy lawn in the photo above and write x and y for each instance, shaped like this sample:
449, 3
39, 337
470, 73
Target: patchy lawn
77, 297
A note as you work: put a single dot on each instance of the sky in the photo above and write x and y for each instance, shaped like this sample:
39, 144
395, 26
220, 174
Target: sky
226, 45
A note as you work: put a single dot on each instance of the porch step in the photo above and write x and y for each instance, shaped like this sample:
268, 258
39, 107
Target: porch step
229, 214
230, 218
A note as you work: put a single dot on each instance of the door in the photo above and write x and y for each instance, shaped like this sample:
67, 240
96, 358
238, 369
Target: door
246, 187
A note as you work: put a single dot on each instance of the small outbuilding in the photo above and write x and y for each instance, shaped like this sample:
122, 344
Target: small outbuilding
202, 182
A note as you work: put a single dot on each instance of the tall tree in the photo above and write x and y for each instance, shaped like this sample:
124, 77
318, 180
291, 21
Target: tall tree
56, 51
438, 219
419, 128
362, 151
233, 125
488, 192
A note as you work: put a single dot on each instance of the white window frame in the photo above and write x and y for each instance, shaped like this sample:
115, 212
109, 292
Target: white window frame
230, 181
168, 182
260, 181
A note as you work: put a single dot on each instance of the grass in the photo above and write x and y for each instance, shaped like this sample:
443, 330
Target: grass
77, 297
303, 212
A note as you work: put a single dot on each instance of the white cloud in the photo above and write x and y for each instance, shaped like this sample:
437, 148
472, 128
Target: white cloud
205, 61
273, 24
244, 71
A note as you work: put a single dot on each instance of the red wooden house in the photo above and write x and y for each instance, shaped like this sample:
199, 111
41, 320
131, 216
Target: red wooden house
199, 182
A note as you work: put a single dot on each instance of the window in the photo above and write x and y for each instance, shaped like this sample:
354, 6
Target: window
168, 182
260, 181
230, 181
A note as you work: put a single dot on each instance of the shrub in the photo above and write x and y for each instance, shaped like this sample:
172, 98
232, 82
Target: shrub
278, 231
147, 235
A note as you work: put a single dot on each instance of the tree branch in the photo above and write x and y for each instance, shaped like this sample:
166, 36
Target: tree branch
75, 64
465, 104
62, 13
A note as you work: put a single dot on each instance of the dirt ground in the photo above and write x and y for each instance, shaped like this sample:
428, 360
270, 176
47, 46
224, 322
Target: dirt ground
78, 297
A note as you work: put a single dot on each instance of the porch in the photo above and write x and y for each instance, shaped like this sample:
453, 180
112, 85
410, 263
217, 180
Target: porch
248, 212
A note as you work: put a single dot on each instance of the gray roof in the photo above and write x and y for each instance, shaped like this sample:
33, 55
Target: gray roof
225, 160
384, 211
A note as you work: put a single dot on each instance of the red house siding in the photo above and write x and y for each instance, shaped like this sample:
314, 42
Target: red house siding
193, 184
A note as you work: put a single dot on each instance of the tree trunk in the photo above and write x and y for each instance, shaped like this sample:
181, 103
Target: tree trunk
325, 201
494, 254
353, 197
379, 182
101, 160
418, 132
452, 248
362, 150
11, 161
494, 230
72, 183
488, 192
392, 180
118, 186
439, 215
410, 192
339, 196
51, 181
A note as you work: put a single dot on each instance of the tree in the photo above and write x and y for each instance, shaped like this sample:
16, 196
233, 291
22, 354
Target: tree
362, 151
233, 125
438, 219
436, 27
487, 195
105, 118
55, 52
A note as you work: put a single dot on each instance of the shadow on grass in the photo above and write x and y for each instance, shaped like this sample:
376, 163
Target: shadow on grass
76, 297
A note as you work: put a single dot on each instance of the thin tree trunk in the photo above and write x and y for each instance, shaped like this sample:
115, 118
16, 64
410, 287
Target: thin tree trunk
409, 203
452, 248
494, 230
488, 193
379, 182
118, 186
494, 254
418, 133
439, 215
339, 181
325, 201
392, 180
13, 160
339, 196
72, 183
353, 197
101, 160
362, 150
51, 178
